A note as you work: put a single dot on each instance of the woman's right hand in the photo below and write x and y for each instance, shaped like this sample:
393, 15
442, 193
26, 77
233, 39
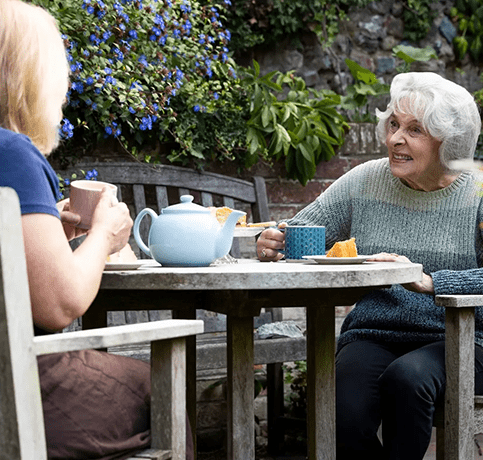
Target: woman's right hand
114, 218
269, 243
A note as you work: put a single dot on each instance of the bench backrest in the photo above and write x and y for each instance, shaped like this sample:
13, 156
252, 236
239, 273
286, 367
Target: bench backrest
142, 185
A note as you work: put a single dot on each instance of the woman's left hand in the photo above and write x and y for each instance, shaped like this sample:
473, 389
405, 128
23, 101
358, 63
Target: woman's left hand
425, 286
69, 220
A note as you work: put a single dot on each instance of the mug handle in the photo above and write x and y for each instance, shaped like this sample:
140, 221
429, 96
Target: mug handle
137, 235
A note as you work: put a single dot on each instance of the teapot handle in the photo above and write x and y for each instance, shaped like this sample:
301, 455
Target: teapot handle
137, 235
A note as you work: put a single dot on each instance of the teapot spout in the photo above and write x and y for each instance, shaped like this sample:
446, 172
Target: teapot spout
225, 235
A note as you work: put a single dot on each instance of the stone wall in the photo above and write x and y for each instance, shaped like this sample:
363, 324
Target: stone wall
368, 37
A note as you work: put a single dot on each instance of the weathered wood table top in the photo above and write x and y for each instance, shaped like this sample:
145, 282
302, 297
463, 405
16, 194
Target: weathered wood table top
240, 291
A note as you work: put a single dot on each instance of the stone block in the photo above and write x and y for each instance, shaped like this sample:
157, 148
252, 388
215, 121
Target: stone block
447, 30
285, 212
332, 169
311, 78
351, 140
286, 191
260, 407
385, 64
367, 139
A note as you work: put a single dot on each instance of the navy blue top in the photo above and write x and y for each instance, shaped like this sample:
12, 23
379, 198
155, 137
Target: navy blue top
26, 170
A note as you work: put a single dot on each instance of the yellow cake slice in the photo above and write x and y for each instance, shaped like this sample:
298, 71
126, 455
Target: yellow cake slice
345, 248
222, 214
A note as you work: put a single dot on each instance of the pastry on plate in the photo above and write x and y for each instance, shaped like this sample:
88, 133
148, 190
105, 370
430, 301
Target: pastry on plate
345, 248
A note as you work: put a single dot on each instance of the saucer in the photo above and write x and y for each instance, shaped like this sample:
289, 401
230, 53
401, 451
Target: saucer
337, 260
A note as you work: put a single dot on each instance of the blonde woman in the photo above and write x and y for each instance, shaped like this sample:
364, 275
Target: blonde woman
96, 405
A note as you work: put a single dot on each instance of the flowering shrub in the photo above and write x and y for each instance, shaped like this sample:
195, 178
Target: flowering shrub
64, 182
130, 59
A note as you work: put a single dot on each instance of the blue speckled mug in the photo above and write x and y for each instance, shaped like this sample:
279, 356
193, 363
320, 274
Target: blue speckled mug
304, 241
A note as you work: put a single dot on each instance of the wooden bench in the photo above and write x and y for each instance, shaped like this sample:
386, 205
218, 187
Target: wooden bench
141, 185
22, 433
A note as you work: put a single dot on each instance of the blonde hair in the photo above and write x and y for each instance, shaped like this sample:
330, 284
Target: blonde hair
447, 111
34, 73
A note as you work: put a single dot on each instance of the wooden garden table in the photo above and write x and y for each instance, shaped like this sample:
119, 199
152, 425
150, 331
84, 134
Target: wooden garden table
240, 291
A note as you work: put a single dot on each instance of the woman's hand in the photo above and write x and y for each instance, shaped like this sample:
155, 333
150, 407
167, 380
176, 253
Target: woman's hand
113, 218
425, 286
69, 220
269, 243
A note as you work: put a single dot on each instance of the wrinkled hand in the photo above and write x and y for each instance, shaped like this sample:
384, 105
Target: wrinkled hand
425, 286
69, 220
269, 243
113, 218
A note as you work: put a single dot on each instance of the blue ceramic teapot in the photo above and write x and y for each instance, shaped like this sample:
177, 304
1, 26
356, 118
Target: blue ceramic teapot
186, 235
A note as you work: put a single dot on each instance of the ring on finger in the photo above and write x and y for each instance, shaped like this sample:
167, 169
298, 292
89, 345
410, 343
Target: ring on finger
263, 253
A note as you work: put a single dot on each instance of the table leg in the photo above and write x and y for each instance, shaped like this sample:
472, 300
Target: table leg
240, 389
321, 383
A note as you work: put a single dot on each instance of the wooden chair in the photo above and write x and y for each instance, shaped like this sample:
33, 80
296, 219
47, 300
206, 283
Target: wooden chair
141, 185
462, 415
22, 433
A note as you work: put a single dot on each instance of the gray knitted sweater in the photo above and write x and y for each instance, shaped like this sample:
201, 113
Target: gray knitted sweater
440, 229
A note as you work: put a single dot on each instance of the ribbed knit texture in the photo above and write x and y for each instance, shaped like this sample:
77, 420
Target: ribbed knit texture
440, 230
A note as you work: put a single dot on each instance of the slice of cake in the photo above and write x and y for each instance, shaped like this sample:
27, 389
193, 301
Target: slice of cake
345, 248
222, 214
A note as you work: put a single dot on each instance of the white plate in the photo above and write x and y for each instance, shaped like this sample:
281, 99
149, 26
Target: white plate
123, 265
337, 260
247, 231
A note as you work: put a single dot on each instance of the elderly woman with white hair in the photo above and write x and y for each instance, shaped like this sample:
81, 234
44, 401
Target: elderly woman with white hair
390, 364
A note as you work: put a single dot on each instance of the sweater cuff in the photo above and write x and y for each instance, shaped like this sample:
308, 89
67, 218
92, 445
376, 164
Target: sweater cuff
458, 282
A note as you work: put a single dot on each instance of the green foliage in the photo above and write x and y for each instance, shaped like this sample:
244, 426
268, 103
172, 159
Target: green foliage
469, 14
289, 120
255, 22
356, 99
418, 17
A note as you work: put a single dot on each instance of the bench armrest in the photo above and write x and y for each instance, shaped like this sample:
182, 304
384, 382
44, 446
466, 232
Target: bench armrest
459, 300
118, 335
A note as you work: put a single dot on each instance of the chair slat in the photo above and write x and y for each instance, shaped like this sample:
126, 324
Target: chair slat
161, 197
206, 199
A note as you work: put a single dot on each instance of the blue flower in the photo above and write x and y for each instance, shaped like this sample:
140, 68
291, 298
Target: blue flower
91, 175
196, 108
66, 129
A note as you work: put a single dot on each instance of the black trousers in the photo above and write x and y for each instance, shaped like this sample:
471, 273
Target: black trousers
396, 384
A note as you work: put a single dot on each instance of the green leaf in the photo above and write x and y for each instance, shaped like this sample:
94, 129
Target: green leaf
266, 116
409, 54
360, 73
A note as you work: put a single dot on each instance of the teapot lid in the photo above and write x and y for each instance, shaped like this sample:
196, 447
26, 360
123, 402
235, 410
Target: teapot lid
186, 206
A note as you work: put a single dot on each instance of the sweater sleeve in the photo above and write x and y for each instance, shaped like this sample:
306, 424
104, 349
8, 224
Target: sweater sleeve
332, 208
458, 282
